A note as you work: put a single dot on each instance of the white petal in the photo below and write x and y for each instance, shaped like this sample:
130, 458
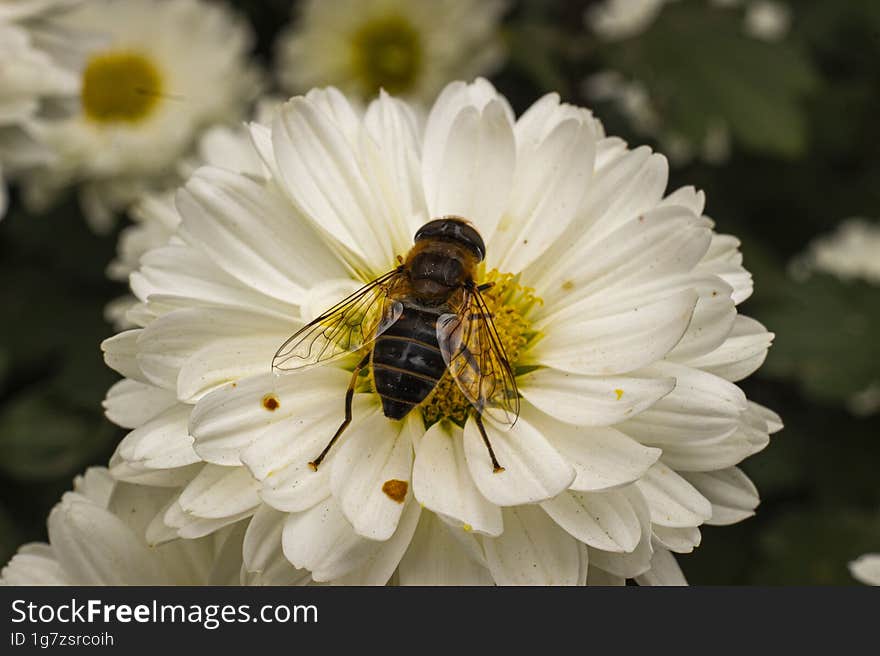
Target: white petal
533, 550
321, 540
161, 443
601, 457
733, 496
219, 492
713, 320
390, 145
625, 185
120, 354
264, 559
534, 470
617, 343
772, 420
96, 548
370, 476
249, 230
555, 167
591, 401
381, 565
182, 273
227, 421
443, 483
629, 565
280, 457
678, 540
664, 570
34, 564
322, 176
130, 403
169, 342
741, 354
701, 409
603, 520
673, 501
225, 361
724, 260
468, 162
436, 558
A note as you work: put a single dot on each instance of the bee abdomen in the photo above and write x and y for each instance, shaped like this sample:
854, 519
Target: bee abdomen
407, 363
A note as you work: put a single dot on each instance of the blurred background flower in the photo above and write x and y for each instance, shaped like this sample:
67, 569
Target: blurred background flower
154, 73
771, 105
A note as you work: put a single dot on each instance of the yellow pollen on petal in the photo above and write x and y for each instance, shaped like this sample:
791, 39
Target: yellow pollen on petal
120, 87
270, 402
509, 305
619, 393
467, 528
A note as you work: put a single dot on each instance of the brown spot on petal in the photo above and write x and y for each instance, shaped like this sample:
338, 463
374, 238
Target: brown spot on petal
568, 285
271, 402
395, 490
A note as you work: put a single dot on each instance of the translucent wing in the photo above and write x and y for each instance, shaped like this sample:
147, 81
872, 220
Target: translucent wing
345, 328
476, 359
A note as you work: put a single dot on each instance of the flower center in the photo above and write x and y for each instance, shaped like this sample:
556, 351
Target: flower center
387, 54
120, 87
509, 303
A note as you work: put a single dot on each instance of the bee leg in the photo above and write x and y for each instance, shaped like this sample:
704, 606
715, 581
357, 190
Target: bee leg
349, 395
496, 468
485, 286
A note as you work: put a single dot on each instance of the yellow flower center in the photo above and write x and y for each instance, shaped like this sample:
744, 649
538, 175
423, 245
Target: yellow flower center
509, 304
387, 53
120, 87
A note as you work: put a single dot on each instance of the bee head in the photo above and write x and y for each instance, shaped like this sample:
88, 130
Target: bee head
455, 229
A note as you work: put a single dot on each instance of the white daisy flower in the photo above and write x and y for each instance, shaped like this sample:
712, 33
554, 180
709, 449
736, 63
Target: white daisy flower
33, 75
866, 569
96, 537
615, 304
406, 47
158, 73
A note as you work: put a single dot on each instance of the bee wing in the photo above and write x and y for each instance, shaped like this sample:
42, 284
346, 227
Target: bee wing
345, 328
476, 360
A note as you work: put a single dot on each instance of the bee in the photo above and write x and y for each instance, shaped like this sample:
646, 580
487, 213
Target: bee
413, 324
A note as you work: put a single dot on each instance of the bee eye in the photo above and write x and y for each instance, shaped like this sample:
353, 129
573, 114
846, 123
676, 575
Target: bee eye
454, 229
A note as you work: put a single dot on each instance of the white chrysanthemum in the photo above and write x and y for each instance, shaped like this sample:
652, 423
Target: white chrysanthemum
158, 73
33, 73
406, 47
96, 537
615, 303
866, 569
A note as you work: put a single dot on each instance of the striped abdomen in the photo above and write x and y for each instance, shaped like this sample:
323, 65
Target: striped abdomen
407, 363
